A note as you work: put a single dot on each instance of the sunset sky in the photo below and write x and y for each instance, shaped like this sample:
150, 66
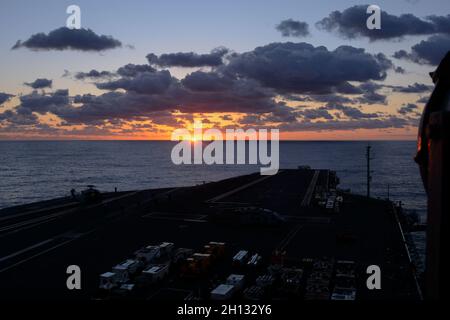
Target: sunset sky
140, 69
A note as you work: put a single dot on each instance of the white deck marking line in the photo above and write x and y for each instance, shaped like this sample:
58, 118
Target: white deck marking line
28, 226
8, 217
148, 215
245, 186
12, 255
114, 199
286, 240
194, 220
180, 215
175, 219
308, 219
27, 222
36, 255
78, 236
310, 190
49, 217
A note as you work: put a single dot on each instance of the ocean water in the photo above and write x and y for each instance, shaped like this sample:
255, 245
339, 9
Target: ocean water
38, 170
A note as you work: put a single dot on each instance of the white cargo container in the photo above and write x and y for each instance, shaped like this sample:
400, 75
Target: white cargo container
222, 292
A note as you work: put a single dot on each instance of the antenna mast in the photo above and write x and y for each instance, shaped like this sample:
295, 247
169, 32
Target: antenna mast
369, 176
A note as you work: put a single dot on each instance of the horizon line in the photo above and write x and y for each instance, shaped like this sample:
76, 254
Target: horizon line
168, 140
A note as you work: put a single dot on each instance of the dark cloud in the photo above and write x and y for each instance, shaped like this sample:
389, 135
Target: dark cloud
302, 68
381, 123
93, 74
370, 95
331, 98
281, 114
316, 113
85, 98
441, 23
423, 99
40, 83
5, 97
351, 23
145, 82
131, 70
128, 70
369, 87
365, 93
19, 118
292, 28
347, 88
414, 88
408, 109
207, 81
44, 102
399, 70
351, 112
189, 59
372, 98
430, 51
69, 39
143, 97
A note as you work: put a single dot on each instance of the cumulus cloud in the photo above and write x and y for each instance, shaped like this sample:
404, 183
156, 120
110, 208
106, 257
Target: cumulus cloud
69, 39
93, 74
303, 68
351, 23
44, 102
430, 51
39, 83
293, 28
131, 70
5, 97
188, 59
144, 82
206, 81
19, 118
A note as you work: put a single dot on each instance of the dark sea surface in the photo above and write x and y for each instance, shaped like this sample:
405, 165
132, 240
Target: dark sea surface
37, 170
